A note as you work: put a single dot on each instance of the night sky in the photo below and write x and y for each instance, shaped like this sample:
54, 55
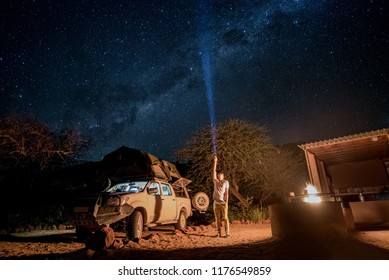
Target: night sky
129, 72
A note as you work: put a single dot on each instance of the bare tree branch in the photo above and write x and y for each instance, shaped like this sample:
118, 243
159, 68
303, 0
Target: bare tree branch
255, 167
241, 147
28, 142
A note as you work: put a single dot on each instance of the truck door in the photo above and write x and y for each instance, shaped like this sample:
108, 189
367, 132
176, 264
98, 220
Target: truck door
154, 202
169, 204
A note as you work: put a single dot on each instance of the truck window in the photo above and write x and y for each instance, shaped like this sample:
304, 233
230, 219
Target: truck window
166, 189
132, 187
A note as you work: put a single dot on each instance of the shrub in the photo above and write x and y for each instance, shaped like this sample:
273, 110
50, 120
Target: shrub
252, 213
43, 216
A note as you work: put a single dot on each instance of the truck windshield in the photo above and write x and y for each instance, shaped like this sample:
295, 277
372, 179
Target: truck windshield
130, 187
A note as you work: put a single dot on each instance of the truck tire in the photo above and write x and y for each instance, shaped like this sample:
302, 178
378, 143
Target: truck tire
135, 226
200, 201
181, 223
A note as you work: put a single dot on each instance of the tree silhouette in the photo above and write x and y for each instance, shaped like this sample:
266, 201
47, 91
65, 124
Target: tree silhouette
29, 143
258, 171
284, 171
241, 149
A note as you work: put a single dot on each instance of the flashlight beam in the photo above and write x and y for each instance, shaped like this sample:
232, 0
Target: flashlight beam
203, 10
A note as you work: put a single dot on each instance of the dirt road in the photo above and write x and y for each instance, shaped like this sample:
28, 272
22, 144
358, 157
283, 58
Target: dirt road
247, 241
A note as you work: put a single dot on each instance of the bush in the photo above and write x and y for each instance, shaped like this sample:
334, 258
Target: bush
252, 213
44, 216
201, 218
235, 213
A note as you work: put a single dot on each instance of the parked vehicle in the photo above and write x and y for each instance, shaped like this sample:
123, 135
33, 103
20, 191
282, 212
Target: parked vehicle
136, 203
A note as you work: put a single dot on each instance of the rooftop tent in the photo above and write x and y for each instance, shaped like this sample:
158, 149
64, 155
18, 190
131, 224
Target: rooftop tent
171, 169
128, 163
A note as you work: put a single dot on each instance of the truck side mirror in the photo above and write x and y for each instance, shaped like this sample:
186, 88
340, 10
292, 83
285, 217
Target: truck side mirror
152, 190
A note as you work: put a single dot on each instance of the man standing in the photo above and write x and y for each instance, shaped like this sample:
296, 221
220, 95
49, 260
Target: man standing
220, 199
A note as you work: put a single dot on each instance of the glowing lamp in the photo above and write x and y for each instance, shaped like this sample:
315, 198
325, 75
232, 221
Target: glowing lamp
312, 195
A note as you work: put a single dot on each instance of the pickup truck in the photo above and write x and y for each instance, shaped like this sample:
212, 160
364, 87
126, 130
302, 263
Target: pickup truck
138, 204
141, 191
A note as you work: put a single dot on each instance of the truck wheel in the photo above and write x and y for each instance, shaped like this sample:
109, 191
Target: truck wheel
135, 226
181, 223
200, 201
83, 233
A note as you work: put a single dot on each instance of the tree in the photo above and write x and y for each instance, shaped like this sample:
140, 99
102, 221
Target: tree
284, 171
241, 150
29, 143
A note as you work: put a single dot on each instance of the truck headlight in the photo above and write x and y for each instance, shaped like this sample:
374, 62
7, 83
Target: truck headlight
116, 201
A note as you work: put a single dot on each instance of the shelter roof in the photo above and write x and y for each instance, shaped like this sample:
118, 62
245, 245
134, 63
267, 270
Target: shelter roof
356, 147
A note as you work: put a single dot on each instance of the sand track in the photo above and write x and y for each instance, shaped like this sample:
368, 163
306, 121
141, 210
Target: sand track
247, 241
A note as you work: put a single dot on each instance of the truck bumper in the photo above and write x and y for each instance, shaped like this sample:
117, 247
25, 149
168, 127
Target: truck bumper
111, 214
83, 217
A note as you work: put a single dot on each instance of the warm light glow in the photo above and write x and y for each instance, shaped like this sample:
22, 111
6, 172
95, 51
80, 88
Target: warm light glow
312, 197
311, 189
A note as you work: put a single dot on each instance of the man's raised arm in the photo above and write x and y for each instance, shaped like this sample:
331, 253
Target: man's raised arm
214, 167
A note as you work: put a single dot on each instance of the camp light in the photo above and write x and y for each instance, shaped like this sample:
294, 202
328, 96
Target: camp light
312, 194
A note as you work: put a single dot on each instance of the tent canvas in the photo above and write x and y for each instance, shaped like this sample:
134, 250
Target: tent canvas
128, 163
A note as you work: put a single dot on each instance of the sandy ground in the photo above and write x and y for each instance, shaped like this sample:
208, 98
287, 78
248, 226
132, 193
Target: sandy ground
247, 241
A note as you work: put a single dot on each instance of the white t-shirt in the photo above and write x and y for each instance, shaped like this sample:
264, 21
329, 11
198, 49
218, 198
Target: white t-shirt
219, 189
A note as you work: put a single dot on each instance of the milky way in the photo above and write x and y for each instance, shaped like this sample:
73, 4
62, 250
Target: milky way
129, 72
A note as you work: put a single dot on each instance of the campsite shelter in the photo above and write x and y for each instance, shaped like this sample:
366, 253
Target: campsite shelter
354, 169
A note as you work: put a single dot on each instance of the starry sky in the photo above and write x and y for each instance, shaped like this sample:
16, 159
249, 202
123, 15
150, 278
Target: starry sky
129, 72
